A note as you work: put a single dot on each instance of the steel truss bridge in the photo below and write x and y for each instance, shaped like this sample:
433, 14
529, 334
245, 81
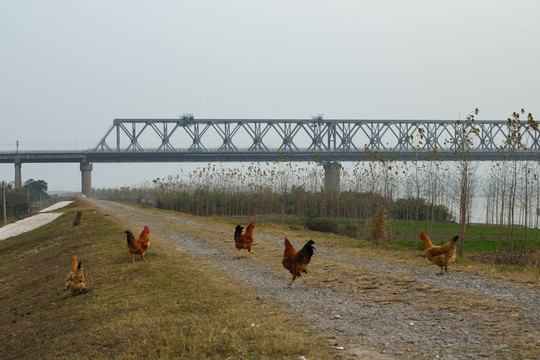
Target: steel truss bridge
187, 139
202, 140
190, 139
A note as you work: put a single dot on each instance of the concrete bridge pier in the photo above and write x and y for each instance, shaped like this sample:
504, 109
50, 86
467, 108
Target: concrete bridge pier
86, 177
332, 176
18, 177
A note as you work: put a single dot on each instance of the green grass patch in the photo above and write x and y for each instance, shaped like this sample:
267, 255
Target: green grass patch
479, 238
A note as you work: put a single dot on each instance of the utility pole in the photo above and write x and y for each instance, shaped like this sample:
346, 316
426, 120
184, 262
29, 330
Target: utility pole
4, 200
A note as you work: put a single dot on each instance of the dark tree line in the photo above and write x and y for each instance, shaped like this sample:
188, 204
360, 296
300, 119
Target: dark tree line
297, 202
20, 199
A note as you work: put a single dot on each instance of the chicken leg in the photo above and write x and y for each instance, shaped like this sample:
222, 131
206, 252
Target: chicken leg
305, 281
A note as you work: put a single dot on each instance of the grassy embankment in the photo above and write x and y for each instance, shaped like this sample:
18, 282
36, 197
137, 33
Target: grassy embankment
166, 306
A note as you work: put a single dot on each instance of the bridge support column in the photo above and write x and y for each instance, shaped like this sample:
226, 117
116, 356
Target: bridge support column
86, 177
332, 176
18, 177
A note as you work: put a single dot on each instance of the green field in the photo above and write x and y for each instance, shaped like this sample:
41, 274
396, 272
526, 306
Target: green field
479, 238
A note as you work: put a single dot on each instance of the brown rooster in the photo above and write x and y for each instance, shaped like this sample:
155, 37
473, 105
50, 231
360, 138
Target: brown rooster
245, 240
75, 279
297, 262
440, 255
138, 247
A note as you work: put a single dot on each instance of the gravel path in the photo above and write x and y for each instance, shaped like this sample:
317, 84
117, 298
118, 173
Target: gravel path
386, 311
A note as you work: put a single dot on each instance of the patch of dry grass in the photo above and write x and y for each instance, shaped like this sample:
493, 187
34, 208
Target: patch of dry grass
167, 306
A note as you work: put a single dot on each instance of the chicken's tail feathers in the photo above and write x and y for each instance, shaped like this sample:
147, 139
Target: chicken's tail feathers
129, 236
309, 248
74, 262
455, 238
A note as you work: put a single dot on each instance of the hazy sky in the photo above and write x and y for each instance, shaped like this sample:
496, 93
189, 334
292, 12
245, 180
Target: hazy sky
68, 68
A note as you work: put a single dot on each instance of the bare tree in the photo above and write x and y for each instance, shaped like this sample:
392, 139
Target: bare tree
516, 142
466, 132
417, 143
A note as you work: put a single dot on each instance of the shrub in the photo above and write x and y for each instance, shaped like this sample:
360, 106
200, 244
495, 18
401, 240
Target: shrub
349, 230
378, 226
322, 225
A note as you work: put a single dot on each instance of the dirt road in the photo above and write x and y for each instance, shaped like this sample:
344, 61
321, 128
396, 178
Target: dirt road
371, 308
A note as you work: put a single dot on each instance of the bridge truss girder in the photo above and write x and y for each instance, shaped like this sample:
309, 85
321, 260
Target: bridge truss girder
316, 135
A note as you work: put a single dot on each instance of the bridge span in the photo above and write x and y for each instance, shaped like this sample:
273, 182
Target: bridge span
187, 139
